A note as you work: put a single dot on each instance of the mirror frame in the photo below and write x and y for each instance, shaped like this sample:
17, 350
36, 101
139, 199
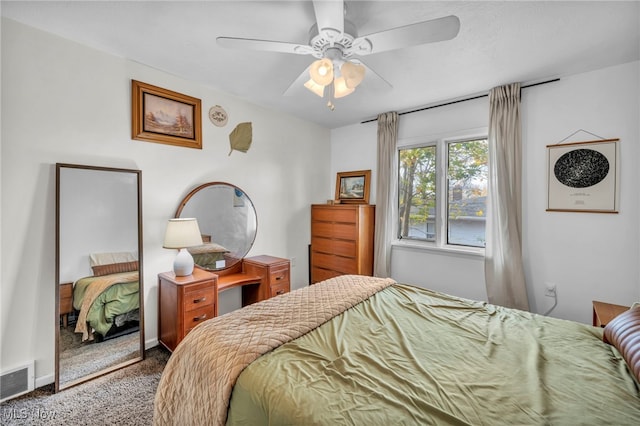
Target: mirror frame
61, 386
183, 203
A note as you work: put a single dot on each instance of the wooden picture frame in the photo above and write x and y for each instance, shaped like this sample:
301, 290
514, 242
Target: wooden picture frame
583, 177
353, 187
163, 116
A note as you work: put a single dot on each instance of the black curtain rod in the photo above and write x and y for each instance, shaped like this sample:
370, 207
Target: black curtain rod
462, 100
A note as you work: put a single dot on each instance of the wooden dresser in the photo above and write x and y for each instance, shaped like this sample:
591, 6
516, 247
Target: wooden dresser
341, 240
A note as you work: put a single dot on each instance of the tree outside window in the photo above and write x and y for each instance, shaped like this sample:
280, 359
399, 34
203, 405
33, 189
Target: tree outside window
462, 187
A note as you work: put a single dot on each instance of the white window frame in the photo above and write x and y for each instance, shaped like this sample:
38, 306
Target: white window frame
441, 143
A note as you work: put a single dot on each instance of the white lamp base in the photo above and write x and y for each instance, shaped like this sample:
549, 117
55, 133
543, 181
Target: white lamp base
183, 263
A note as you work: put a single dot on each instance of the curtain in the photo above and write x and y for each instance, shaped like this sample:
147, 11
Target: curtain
385, 193
504, 272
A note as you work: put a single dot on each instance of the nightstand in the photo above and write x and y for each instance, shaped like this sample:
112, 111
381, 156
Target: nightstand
66, 302
183, 303
603, 312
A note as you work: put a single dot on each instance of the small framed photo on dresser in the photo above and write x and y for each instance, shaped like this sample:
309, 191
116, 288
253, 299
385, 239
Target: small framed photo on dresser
353, 187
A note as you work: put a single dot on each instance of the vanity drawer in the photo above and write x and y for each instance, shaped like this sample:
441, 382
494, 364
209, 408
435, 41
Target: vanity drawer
279, 274
199, 298
196, 316
280, 288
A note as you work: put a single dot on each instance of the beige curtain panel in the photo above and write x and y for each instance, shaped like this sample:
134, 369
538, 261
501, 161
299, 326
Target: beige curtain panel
504, 273
385, 192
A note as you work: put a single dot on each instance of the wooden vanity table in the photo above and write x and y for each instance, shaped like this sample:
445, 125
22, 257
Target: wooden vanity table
184, 302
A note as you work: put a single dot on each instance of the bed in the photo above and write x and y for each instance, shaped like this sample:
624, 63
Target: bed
108, 301
208, 254
370, 351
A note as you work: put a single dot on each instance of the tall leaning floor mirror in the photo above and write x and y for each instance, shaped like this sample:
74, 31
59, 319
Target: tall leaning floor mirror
99, 294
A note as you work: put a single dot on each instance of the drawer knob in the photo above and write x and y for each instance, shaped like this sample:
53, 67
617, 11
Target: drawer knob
279, 292
202, 299
200, 318
279, 278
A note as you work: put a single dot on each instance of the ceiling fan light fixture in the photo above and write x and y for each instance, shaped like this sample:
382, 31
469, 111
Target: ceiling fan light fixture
340, 88
321, 71
353, 74
315, 88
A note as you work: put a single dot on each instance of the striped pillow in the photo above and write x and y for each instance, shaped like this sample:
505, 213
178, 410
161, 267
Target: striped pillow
114, 268
623, 332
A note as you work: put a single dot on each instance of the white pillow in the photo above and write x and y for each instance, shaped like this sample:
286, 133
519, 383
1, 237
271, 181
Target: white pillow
109, 258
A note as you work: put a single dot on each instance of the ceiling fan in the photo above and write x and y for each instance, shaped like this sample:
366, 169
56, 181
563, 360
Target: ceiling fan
334, 41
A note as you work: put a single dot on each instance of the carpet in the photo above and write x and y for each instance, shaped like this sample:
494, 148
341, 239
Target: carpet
79, 359
124, 397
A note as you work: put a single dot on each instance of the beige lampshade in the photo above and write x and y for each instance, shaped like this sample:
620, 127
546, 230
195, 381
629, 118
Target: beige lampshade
315, 88
182, 233
340, 88
321, 71
352, 73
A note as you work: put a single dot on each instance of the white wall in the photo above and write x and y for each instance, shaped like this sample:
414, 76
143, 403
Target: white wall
588, 256
64, 102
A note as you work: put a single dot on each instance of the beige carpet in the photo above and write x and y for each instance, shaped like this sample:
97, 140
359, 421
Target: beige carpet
124, 397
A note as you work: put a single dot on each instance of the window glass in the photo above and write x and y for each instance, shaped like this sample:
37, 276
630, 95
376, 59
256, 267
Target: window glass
460, 186
467, 192
417, 193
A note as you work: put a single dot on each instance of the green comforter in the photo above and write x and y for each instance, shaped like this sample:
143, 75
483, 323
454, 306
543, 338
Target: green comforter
117, 299
412, 356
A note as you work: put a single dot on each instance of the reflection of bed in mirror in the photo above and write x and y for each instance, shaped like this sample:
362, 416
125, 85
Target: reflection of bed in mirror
99, 290
108, 302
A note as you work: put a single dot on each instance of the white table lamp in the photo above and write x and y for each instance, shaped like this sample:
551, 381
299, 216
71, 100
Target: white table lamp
180, 234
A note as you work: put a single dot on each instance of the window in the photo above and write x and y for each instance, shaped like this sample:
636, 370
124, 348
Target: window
442, 192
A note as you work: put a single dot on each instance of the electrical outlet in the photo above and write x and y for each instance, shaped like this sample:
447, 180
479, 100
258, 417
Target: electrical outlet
293, 262
550, 290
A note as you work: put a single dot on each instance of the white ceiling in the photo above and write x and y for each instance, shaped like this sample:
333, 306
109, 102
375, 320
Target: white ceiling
498, 43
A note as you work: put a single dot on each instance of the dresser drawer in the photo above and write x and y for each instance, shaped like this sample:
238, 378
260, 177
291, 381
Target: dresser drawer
199, 298
343, 231
319, 274
346, 265
280, 288
339, 247
332, 214
279, 274
196, 316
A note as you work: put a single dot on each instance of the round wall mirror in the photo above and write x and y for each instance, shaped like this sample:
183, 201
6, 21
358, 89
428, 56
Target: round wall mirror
227, 220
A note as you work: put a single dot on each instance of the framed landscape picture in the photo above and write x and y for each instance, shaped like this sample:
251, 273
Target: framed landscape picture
353, 187
583, 176
162, 116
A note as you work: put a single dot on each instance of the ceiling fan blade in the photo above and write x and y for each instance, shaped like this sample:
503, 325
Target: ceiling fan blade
298, 84
264, 45
329, 16
431, 31
372, 79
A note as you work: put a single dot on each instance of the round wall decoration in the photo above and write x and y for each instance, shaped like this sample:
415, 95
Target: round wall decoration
218, 116
581, 168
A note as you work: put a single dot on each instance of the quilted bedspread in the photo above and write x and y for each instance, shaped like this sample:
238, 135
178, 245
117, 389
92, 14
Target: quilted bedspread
197, 382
